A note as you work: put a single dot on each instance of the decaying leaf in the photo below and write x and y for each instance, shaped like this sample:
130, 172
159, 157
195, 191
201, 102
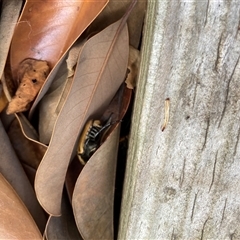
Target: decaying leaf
133, 67
15, 220
31, 74
90, 93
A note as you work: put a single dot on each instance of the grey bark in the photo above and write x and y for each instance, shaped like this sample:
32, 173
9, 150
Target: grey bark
184, 182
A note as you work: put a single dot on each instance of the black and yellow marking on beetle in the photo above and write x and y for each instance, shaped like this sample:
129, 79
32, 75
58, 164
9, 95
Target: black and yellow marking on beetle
91, 138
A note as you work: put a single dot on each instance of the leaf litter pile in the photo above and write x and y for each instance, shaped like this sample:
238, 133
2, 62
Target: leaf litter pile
68, 73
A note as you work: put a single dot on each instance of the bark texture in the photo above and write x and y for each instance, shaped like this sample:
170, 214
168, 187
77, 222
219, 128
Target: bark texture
184, 182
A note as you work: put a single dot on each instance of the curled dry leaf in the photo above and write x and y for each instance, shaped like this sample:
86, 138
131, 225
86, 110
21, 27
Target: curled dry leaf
50, 36
93, 197
49, 103
94, 192
32, 74
52, 102
96, 131
15, 220
100, 71
133, 67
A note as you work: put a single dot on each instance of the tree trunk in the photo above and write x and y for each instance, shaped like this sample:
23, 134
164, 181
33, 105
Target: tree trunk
184, 182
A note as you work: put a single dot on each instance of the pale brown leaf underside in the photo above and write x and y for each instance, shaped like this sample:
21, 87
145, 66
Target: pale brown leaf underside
63, 227
15, 220
93, 196
53, 101
100, 71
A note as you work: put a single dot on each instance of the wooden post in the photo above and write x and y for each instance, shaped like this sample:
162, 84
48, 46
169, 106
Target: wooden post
184, 182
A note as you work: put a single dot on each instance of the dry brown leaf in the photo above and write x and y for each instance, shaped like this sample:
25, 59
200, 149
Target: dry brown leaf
8, 19
49, 103
30, 172
53, 100
25, 142
27, 129
90, 93
12, 170
73, 56
28, 151
8, 85
32, 75
6, 119
3, 99
15, 220
46, 29
116, 109
74, 169
48, 83
63, 227
114, 113
114, 11
133, 67
93, 195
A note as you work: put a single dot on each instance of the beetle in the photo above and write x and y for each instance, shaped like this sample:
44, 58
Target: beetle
91, 138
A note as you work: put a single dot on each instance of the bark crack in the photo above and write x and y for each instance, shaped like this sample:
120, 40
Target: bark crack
206, 133
218, 54
213, 173
182, 173
223, 213
232, 235
227, 92
194, 204
206, 16
195, 88
195, 93
235, 147
173, 235
204, 224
